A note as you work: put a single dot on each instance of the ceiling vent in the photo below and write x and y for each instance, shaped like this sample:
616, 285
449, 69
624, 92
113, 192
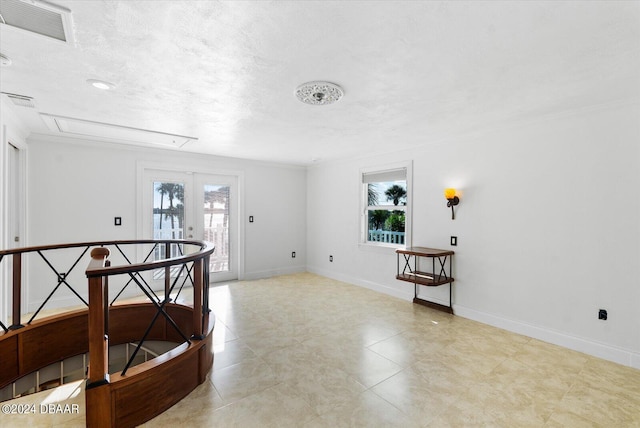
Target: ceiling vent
37, 16
110, 132
20, 100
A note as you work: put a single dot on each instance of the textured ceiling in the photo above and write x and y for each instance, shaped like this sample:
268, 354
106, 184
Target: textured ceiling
413, 72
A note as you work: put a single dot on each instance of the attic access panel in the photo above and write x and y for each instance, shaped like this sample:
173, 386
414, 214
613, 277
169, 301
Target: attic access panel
112, 132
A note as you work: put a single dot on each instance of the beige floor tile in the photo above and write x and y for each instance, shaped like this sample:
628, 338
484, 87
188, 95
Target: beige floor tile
601, 373
563, 419
365, 410
243, 379
448, 374
489, 405
364, 365
323, 387
541, 391
545, 356
604, 404
274, 407
417, 397
406, 348
230, 353
222, 334
289, 363
268, 341
369, 368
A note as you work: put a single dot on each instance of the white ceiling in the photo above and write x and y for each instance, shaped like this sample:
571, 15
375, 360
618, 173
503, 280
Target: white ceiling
413, 72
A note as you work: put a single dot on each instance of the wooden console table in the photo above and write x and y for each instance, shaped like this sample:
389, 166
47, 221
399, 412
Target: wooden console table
430, 279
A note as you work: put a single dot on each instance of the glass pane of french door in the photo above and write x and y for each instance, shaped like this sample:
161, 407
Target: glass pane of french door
217, 207
168, 210
168, 220
216, 224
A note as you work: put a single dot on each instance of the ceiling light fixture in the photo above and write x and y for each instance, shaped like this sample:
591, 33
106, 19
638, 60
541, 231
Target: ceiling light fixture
101, 84
319, 93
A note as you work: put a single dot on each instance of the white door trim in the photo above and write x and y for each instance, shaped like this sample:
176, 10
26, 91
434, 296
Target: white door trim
142, 166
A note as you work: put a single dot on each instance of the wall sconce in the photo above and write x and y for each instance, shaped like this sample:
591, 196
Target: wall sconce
452, 200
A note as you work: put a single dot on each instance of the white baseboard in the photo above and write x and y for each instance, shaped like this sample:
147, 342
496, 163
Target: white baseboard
65, 302
635, 360
400, 294
250, 276
71, 300
606, 352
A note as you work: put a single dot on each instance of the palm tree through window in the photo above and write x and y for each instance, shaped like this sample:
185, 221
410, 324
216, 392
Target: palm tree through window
386, 201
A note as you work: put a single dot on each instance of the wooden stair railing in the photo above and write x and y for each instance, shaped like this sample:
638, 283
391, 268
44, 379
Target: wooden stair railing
138, 393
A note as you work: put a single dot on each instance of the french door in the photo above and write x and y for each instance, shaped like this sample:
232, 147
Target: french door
199, 206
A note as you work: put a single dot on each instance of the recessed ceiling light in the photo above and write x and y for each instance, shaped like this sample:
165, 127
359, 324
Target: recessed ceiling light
101, 84
319, 93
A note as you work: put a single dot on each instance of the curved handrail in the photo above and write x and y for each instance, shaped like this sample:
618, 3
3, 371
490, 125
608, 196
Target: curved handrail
21, 250
206, 249
196, 321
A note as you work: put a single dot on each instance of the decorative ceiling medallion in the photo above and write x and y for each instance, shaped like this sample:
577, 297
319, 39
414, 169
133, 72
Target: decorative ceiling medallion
319, 93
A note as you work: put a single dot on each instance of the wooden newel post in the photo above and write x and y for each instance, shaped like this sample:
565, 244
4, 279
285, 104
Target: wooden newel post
167, 270
98, 339
17, 290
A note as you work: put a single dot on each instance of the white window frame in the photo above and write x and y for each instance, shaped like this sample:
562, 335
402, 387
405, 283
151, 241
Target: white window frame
364, 205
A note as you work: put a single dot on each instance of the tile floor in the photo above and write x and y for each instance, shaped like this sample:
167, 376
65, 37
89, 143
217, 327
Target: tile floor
306, 351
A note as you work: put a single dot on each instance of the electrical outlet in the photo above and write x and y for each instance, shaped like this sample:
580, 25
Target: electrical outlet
331, 258
602, 314
293, 254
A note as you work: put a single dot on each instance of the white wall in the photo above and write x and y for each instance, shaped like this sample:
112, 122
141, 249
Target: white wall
76, 189
548, 227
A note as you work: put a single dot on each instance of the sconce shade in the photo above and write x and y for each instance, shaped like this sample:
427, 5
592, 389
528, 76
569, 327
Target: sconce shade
452, 200
449, 193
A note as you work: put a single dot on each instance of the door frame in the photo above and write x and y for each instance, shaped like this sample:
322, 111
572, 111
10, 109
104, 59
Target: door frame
142, 166
9, 140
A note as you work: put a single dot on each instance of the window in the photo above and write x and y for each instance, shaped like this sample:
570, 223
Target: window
386, 216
